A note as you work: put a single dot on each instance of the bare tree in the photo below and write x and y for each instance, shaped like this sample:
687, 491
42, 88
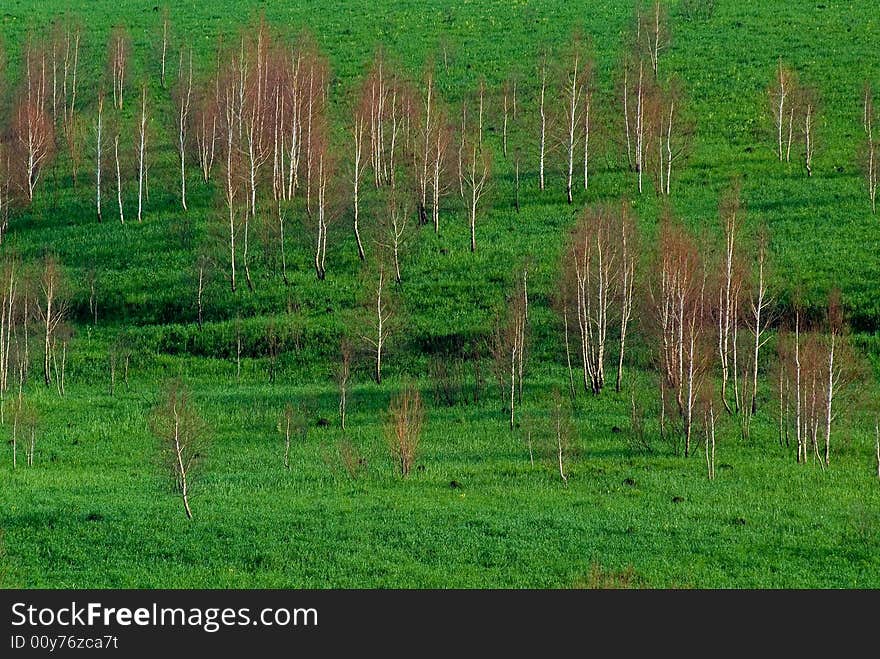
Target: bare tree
635, 101
441, 141
394, 228
588, 122
592, 263
669, 134
165, 22
509, 347
65, 40
206, 125
227, 85
577, 87
26, 419
7, 177
287, 421
759, 307
359, 164
507, 102
430, 151
871, 148
74, 132
380, 315
628, 249
120, 45
204, 265
403, 427
808, 103
654, 32
325, 210
32, 128
183, 100
729, 288
343, 377
51, 310
542, 141
801, 440
11, 321
835, 335
677, 298
562, 430
476, 171
183, 436
99, 149
118, 175
142, 152
708, 413
782, 94
821, 366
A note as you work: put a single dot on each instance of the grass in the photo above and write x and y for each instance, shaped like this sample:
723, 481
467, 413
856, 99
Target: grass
96, 510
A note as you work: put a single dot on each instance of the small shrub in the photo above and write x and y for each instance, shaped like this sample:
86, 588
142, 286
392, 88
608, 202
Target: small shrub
352, 460
403, 427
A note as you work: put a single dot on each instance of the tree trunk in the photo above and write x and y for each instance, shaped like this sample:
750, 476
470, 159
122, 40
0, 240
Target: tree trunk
118, 178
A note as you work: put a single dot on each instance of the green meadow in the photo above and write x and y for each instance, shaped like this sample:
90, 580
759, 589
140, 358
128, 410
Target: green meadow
97, 509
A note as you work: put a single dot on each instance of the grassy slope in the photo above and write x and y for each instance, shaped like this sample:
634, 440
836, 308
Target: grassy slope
763, 522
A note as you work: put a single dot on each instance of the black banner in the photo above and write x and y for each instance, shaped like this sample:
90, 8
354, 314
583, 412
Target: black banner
454, 623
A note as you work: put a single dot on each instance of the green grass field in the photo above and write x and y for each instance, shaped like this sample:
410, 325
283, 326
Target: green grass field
97, 510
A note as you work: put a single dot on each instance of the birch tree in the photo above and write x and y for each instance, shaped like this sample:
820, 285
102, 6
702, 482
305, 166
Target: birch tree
206, 125
359, 163
183, 437
430, 151
662, 107
729, 288
119, 47
142, 152
33, 131
164, 51
231, 160
183, 101
593, 262
542, 108
576, 89
872, 152
808, 104
759, 307
379, 319
118, 174
394, 231
834, 365
99, 152
326, 208
677, 298
708, 418
509, 342
65, 65
628, 249
653, 30
51, 310
441, 141
476, 170
783, 93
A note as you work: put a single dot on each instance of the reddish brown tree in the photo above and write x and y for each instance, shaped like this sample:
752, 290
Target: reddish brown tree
33, 131
677, 298
118, 54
